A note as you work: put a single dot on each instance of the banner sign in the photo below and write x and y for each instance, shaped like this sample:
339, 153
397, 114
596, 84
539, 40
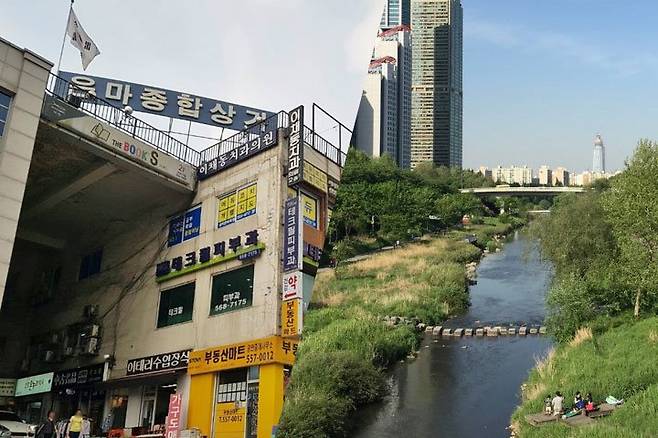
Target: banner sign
34, 384
118, 142
310, 210
237, 154
79, 376
236, 205
7, 387
173, 416
274, 349
291, 318
176, 360
315, 177
229, 420
210, 255
292, 285
291, 236
168, 103
296, 146
184, 227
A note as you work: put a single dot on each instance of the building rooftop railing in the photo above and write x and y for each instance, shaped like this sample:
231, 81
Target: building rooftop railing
101, 109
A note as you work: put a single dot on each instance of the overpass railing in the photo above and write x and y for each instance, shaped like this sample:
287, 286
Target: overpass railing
103, 110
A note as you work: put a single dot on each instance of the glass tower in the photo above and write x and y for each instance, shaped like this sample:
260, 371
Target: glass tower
598, 161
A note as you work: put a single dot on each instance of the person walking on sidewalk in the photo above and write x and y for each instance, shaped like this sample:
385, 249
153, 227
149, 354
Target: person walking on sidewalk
47, 428
75, 425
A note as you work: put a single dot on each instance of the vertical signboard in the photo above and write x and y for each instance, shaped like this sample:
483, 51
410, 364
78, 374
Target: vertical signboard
291, 318
296, 146
173, 416
292, 285
292, 244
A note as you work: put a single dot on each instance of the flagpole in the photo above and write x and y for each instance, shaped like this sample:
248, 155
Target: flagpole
66, 28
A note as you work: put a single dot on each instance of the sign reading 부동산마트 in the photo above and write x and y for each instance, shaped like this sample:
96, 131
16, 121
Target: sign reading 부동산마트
296, 146
168, 103
34, 384
118, 142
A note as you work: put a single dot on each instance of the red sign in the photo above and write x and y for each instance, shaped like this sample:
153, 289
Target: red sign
173, 417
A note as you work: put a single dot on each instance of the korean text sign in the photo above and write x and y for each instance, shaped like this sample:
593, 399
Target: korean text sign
160, 362
173, 416
291, 236
168, 103
185, 226
296, 146
291, 318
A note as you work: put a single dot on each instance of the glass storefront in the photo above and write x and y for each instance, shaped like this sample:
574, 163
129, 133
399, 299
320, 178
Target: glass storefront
236, 403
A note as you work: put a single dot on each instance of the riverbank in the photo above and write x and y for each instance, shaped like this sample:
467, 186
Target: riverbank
618, 361
347, 343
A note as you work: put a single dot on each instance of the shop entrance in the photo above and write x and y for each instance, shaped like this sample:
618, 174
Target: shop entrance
236, 403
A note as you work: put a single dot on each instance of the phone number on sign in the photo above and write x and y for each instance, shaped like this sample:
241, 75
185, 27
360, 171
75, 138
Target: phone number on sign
260, 357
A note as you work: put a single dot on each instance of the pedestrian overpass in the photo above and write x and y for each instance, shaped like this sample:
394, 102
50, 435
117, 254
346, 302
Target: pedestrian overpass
522, 191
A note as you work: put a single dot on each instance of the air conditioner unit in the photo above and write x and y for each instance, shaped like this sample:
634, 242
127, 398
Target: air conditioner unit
90, 311
48, 356
90, 331
89, 347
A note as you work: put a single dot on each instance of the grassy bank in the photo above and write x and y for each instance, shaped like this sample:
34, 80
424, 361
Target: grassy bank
346, 345
618, 361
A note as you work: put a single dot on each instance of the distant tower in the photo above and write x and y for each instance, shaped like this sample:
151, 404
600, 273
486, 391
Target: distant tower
598, 163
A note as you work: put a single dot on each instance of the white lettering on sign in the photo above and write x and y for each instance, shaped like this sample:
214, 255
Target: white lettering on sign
292, 285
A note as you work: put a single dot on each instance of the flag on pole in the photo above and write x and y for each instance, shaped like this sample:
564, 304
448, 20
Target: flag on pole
80, 40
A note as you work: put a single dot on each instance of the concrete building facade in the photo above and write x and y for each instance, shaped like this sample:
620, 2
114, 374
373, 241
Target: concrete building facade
513, 175
437, 92
560, 177
545, 176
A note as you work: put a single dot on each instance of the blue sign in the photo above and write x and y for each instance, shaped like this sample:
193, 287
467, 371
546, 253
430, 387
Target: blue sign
168, 103
184, 227
291, 235
238, 154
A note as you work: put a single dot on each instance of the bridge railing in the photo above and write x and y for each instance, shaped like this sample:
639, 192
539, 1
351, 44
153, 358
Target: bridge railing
101, 109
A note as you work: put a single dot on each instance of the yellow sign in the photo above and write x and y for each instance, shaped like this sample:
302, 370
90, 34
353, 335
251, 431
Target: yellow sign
315, 177
291, 318
229, 421
237, 205
274, 349
310, 210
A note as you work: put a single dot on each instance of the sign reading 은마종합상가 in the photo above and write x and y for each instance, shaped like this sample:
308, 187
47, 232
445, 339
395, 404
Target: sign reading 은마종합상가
176, 360
168, 103
185, 226
172, 425
292, 236
79, 376
296, 146
274, 349
210, 255
34, 384
238, 154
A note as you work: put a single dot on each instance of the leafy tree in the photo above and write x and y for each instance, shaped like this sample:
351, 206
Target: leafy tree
631, 205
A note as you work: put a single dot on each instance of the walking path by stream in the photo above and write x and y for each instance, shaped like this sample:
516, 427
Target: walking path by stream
468, 387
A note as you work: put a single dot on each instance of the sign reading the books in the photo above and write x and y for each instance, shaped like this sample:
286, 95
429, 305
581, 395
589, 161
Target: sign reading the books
296, 146
291, 236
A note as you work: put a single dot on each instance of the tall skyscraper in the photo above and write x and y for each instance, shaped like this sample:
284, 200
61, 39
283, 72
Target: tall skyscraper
396, 13
598, 161
383, 124
436, 86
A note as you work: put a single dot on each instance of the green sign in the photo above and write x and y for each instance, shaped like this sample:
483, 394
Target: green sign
34, 384
232, 290
176, 305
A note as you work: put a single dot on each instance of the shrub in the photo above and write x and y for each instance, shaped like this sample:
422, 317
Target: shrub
314, 415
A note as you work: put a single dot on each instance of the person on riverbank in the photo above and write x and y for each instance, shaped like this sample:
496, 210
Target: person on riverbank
548, 405
557, 403
589, 404
578, 402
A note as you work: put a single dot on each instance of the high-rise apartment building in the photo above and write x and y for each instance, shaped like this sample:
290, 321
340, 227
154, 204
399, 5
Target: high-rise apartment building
545, 176
512, 175
598, 160
560, 177
436, 87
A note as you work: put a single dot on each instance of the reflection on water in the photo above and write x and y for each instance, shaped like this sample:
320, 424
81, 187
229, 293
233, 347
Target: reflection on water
469, 387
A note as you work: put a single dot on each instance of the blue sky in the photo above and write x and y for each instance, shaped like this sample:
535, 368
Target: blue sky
541, 78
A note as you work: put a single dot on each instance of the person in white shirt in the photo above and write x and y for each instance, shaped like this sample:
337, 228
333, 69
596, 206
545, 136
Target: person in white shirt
557, 403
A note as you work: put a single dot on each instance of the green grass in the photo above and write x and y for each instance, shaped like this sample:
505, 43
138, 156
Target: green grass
622, 361
346, 345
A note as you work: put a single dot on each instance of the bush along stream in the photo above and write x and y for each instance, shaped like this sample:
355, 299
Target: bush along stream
367, 315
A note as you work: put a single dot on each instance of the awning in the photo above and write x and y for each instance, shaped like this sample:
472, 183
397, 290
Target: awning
156, 378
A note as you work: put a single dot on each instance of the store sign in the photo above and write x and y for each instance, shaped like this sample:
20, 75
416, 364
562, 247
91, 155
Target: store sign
274, 349
236, 205
79, 376
296, 146
185, 226
238, 154
173, 416
119, 142
232, 290
291, 236
207, 256
7, 387
176, 360
312, 252
168, 103
229, 420
34, 384
315, 177
291, 318
310, 210
292, 285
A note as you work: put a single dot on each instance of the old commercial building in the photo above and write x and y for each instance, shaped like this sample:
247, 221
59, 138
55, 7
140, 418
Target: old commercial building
149, 281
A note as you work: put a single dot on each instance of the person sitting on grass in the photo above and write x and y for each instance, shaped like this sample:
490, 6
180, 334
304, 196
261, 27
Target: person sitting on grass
578, 402
548, 406
589, 404
557, 402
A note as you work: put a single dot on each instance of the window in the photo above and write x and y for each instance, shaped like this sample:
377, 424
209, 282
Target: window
176, 305
5, 100
232, 290
91, 264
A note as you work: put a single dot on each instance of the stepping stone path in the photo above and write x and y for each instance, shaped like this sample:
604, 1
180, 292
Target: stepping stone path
488, 331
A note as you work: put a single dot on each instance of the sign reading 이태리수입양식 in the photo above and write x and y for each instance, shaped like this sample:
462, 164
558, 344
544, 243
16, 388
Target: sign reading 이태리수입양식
274, 349
176, 360
168, 103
